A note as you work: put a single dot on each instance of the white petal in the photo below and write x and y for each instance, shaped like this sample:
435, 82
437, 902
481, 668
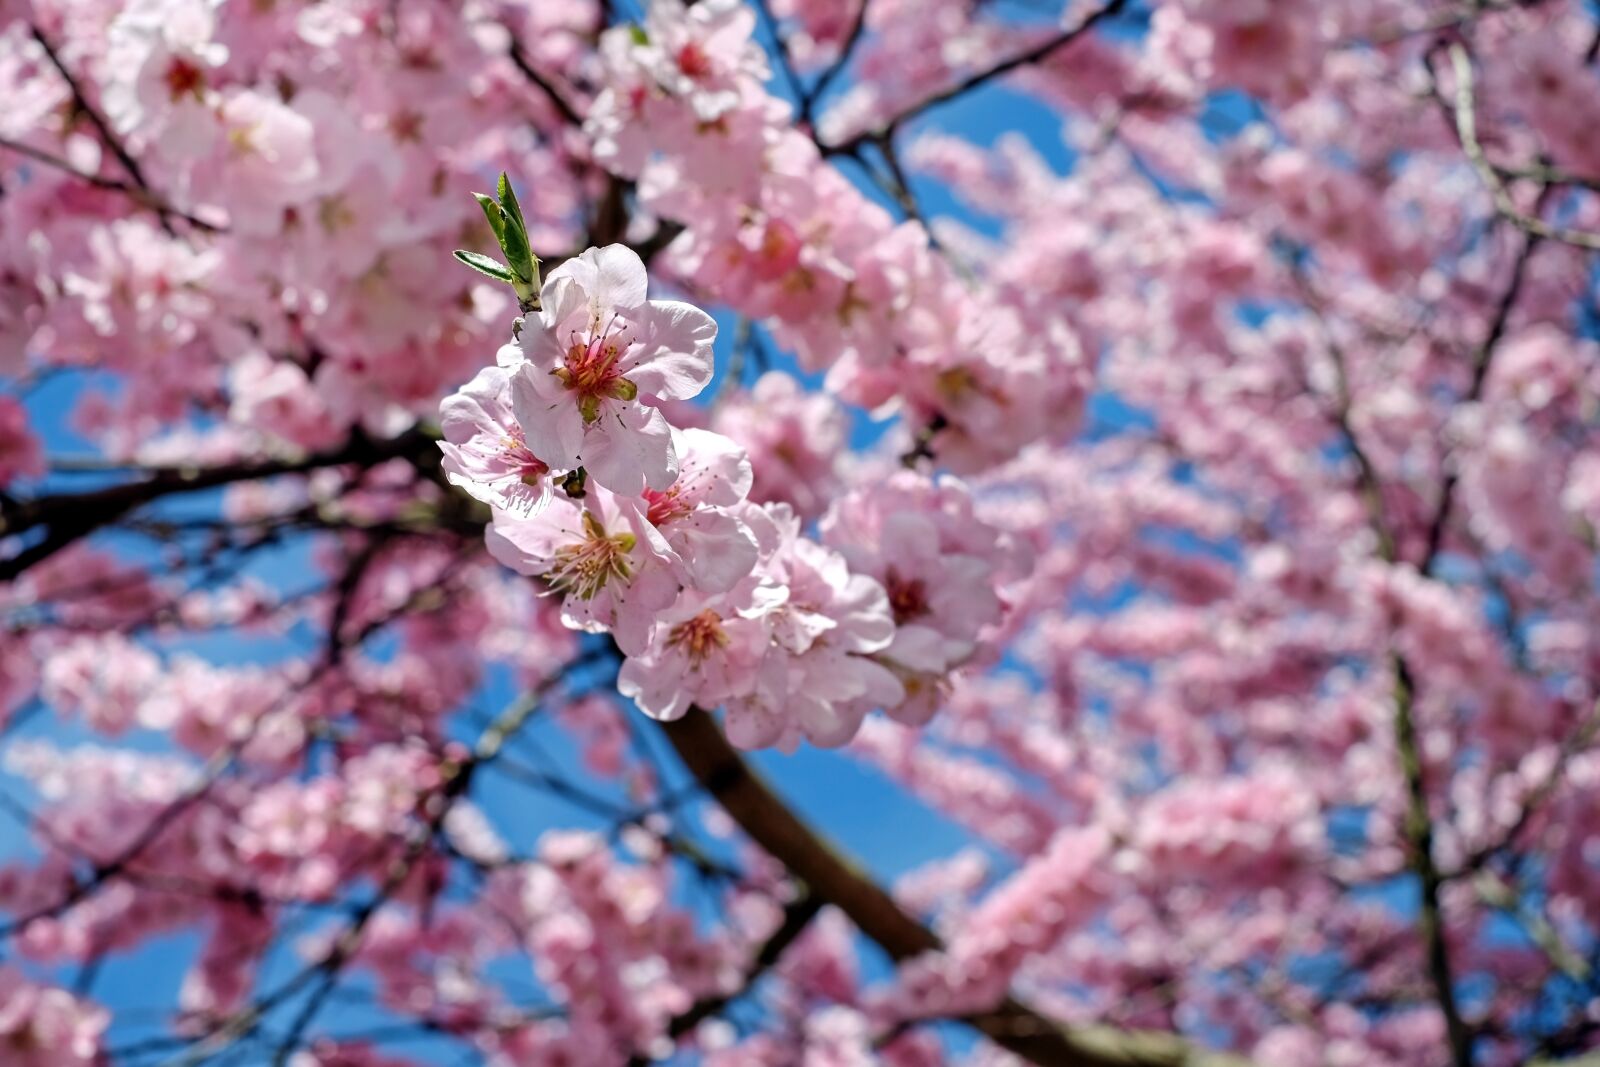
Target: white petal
621, 282
674, 360
629, 449
553, 430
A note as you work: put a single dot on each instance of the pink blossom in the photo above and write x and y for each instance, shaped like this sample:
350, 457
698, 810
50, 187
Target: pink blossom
165, 58
1197, 467
277, 398
265, 161
484, 449
817, 680
702, 53
598, 349
42, 1026
20, 454
713, 549
920, 541
105, 679
794, 440
703, 651
602, 556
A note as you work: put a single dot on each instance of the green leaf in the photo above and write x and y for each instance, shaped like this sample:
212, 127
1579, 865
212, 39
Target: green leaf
518, 253
514, 238
508, 201
484, 265
496, 217
637, 32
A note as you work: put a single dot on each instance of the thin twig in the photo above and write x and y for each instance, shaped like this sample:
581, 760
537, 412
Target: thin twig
520, 58
1029, 56
69, 517
808, 103
1482, 360
1576, 744
1466, 123
323, 974
1418, 829
83, 105
796, 917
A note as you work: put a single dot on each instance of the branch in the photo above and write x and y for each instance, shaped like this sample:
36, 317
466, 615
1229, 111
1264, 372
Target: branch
72, 516
1481, 361
323, 974
808, 103
1578, 742
1419, 839
1467, 131
1022, 59
1367, 479
796, 917
1418, 826
1495, 892
145, 194
205, 780
520, 58
1012, 1025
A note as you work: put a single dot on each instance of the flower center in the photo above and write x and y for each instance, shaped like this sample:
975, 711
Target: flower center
335, 214
583, 569
779, 252
523, 463
908, 597
662, 508
590, 370
700, 636
183, 78
693, 61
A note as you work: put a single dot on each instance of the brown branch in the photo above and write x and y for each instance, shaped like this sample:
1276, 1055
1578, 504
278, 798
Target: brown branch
1368, 483
70, 517
1418, 828
1482, 359
1418, 824
1013, 1025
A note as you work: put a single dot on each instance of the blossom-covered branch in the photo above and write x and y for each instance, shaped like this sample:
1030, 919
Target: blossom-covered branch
1148, 520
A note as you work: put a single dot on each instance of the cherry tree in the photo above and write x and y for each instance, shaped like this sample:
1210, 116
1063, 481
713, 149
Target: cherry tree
1191, 494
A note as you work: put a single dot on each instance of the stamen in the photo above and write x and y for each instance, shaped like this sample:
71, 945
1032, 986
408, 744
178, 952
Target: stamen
700, 636
582, 569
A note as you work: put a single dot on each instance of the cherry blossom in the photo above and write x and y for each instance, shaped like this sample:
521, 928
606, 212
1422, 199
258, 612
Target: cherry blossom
602, 556
597, 352
42, 1025
20, 454
486, 452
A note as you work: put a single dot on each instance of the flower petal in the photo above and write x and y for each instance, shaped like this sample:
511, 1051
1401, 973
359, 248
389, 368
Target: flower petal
673, 360
553, 429
629, 449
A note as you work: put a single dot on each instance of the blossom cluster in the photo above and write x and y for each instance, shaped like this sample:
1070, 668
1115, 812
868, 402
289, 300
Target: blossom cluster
648, 532
774, 231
